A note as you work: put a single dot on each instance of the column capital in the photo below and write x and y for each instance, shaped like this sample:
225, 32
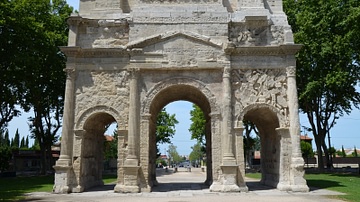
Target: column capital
134, 72
291, 71
227, 71
70, 73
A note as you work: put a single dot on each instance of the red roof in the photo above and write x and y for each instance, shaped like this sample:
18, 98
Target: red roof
109, 138
305, 137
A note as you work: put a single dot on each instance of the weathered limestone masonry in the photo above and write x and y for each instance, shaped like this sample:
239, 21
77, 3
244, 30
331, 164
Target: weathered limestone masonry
127, 59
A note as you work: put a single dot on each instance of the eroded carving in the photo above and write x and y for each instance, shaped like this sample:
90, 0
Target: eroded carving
263, 86
257, 32
104, 33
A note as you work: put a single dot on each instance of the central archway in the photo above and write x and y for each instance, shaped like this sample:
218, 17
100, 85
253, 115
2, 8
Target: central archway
176, 90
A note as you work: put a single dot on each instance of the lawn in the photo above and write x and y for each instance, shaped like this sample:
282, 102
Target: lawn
12, 189
345, 183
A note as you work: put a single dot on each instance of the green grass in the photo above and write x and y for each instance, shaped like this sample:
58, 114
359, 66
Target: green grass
253, 175
14, 188
344, 183
109, 179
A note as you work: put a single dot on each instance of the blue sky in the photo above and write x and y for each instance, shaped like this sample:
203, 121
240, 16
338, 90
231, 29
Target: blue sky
346, 132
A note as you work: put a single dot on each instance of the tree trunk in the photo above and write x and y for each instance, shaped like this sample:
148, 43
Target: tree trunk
319, 153
43, 159
329, 164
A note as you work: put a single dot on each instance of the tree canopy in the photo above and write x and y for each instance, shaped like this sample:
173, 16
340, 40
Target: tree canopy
165, 127
173, 154
328, 64
32, 65
197, 127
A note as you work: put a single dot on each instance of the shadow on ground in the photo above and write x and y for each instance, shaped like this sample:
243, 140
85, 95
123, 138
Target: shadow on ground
177, 186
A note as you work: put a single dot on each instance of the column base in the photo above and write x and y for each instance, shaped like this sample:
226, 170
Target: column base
62, 179
300, 188
131, 180
298, 182
283, 187
78, 189
120, 188
228, 181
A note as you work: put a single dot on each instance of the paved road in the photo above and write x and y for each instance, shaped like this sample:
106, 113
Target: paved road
185, 186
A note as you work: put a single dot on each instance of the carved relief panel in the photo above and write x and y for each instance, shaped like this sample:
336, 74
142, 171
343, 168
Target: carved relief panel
103, 33
263, 86
256, 31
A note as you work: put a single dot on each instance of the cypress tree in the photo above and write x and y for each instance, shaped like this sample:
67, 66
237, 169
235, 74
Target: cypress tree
27, 142
7, 140
16, 140
22, 143
343, 154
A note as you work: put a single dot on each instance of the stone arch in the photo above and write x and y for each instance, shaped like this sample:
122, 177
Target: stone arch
154, 91
267, 119
89, 113
171, 90
280, 116
89, 141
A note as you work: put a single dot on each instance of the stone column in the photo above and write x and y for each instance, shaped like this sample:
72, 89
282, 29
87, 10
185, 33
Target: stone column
239, 141
122, 141
298, 183
226, 129
64, 163
68, 120
284, 161
293, 110
145, 155
227, 181
131, 164
216, 147
134, 120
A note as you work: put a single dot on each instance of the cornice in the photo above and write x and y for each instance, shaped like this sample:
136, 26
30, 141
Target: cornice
285, 49
78, 52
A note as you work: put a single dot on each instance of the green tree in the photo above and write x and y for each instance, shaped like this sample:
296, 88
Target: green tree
6, 139
328, 64
5, 157
197, 127
22, 142
332, 152
306, 149
341, 152
355, 154
27, 142
250, 143
165, 127
173, 154
43, 79
16, 141
197, 153
110, 147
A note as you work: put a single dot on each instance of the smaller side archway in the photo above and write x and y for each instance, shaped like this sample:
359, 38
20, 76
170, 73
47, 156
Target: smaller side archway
268, 120
89, 146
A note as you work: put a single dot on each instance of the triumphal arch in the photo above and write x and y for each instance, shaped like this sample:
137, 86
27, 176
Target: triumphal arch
127, 59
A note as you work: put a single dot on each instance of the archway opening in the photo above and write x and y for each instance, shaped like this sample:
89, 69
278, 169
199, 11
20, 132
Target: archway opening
98, 151
169, 95
266, 123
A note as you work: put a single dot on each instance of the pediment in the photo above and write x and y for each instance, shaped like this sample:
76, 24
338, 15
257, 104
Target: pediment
178, 49
173, 35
